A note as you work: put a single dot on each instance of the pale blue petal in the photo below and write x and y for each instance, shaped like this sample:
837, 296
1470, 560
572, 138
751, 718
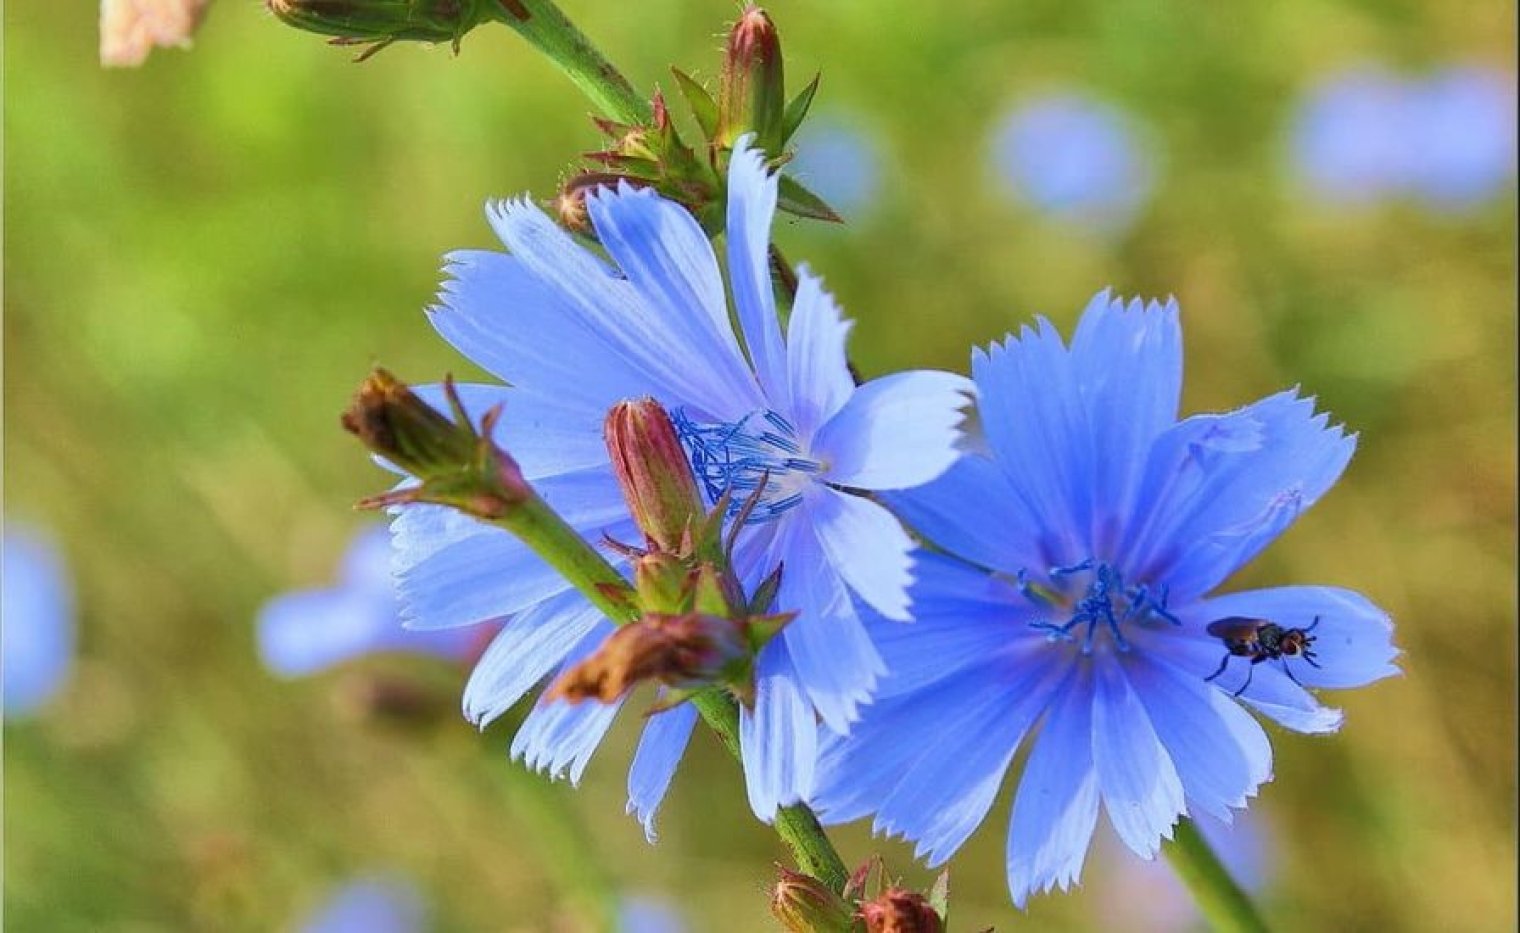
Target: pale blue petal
999, 532
751, 206
895, 432
609, 306
866, 547
306, 632
816, 363
1127, 367
1270, 692
855, 773
1040, 436
778, 739
1141, 790
370, 905
1217, 502
1056, 807
366, 565
1222, 756
947, 793
836, 664
527, 648
497, 313
1353, 639
660, 248
542, 433
654, 763
37, 631
558, 738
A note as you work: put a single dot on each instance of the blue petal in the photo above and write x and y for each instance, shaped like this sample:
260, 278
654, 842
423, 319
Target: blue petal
1127, 365
371, 905
305, 632
545, 435
1039, 434
609, 306
1141, 790
654, 763
835, 661
366, 564
999, 532
947, 793
664, 253
962, 617
865, 545
1056, 807
527, 648
37, 609
855, 773
895, 432
778, 739
1220, 752
558, 738
1221, 489
1270, 691
816, 362
751, 206
1353, 639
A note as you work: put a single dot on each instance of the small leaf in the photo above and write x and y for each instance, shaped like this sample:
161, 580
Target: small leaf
703, 107
939, 897
795, 199
798, 109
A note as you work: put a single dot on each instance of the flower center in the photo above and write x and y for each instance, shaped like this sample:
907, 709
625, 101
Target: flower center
738, 457
1092, 593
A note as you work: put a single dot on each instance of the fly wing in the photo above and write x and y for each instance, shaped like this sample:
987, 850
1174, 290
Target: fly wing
1234, 628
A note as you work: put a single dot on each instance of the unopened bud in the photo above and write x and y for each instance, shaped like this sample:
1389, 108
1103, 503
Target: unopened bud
898, 910
378, 23
752, 92
804, 904
653, 470
458, 466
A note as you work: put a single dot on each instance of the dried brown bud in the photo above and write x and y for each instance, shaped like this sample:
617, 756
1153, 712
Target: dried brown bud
898, 910
653, 470
680, 651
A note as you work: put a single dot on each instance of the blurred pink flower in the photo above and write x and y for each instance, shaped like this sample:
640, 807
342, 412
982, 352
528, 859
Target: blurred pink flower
129, 29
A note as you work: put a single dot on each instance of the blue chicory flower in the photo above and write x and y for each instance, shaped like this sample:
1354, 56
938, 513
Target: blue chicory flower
1081, 551
1463, 120
642, 913
1075, 159
307, 631
838, 162
1349, 141
37, 606
574, 334
379, 904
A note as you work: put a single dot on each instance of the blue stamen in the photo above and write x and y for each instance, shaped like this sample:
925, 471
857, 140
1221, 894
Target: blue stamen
1096, 606
737, 457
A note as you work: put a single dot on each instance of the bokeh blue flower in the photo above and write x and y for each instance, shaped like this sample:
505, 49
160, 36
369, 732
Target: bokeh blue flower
1072, 596
1368, 134
371, 904
308, 631
1075, 159
572, 335
643, 913
839, 162
37, 606
1140, 896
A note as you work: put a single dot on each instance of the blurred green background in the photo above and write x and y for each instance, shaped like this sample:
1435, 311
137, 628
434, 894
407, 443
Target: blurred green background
203, 257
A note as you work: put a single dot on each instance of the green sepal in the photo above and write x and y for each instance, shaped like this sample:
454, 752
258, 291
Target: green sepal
703, 106
795, 199
797, 110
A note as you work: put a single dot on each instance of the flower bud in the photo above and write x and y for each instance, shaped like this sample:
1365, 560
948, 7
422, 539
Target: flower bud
751, 92
898, 910
378, 23
687, 651
653, 470
804, 904
457, 465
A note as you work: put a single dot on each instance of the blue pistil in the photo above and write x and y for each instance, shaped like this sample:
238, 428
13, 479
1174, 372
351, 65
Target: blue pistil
1097, 604
738, 456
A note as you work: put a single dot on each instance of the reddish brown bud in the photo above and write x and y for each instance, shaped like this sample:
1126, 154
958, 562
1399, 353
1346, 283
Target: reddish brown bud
680, 651
804, 904
898, 910
751, 91
653, 470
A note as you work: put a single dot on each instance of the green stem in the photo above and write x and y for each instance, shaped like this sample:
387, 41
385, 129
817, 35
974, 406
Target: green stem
1223, 904
547, 29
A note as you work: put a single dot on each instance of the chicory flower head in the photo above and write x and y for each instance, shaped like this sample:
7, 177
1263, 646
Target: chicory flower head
1074, 596
573, 334
37, 606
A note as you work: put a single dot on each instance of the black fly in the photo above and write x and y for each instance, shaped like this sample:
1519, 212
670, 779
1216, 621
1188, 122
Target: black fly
1260, 641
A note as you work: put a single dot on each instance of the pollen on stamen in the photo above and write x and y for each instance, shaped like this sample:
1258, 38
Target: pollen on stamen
737, 456
1104, 601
